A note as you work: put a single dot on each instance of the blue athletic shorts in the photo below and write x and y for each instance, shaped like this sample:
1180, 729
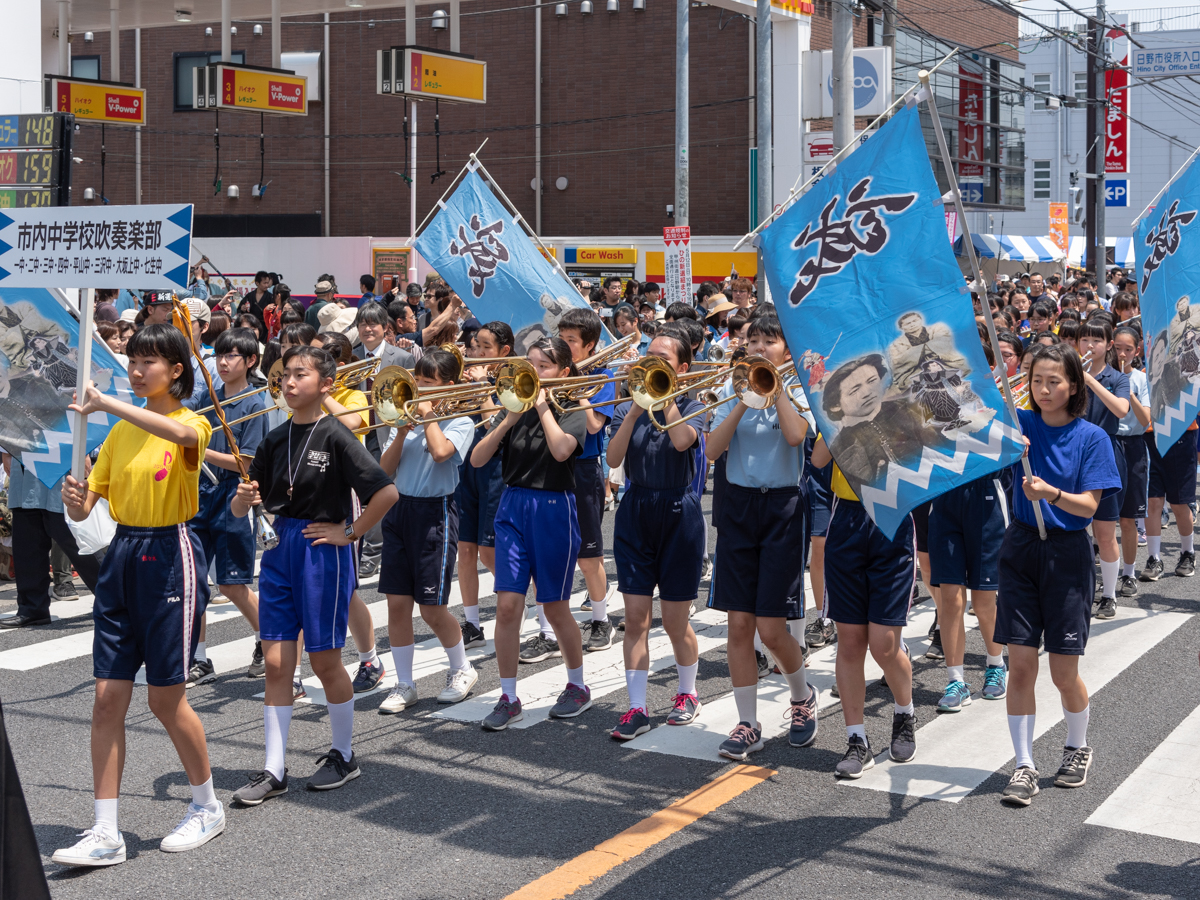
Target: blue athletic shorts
228, 541
966, 526
477, 498
1173, 475
589, 506
658, 541
867, 577
1109, 509
305, 587
150, 600
420, 546
537, 537
759, 566
1046, 589
1137, 477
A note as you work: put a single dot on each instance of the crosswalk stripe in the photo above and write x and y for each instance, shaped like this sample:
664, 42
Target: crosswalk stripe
958, 752
1162, 796
59, 610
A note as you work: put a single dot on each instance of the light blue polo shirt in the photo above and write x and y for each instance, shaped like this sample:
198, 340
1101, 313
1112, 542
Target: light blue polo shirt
418, 475
759, 455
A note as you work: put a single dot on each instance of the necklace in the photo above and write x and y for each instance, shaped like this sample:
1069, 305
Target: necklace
291, 475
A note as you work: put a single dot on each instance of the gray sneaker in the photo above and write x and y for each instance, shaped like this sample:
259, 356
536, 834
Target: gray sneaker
686, 709
742, 741
904, 738
1022, 787
262, 787
1074, 769
1186, 567
202, 672
334, 772
856, 760
571, 702
258, 664
597, 635
538, 648
506, 712
1127, 586
1106, 608
1152, 570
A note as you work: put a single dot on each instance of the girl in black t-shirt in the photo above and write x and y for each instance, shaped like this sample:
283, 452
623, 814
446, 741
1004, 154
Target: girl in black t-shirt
537, 532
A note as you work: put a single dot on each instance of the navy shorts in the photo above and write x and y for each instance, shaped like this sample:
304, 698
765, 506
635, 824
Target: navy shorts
477, 498
658, 541
966, 526
720, 482
1173, 475
1137, 477
305, 587
867, 577
1046, 589
920, 517
537, 537
820, 506
420, 547
228, 540
589, 506
1109, 509
759, 567
150, 601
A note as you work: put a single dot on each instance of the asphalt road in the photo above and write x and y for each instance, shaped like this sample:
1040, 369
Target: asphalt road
444, 810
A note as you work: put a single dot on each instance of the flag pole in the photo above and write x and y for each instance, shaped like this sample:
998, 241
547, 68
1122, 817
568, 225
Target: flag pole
980, 286
83, 378
1170, 181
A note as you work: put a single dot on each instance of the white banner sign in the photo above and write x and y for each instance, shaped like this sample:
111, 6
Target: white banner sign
872, 82
136, 247
677, 261
1149, 63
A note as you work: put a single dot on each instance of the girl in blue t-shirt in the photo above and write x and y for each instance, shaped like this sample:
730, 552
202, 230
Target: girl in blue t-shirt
1046, 585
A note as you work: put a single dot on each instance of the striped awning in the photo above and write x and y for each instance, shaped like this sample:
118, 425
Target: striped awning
1012, 247
1123, 251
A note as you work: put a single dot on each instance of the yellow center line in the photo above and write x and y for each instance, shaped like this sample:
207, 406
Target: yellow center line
637, 839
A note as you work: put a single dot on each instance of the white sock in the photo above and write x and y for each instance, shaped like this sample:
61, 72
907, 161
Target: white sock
341, 723
860, 730
798, 682
635, 686
297, 678
575, 677
1127, 569
402, 659
1186, 543
106, 817
954, 673
1154, 545
687, 677
203, 795
547, 631
458, 656
796, 629
599, 610
1140, 523
908, 710
276, 721
746, 700
472, 614
201, 651
369, 657
258, 636
995, 660
508, 687
1077, 724
1108, 575
1021, 730
758, 644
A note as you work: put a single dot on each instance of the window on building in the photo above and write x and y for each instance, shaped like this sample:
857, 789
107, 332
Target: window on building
1041, 87
1081, 86
185, 68
85, 67
1041, 179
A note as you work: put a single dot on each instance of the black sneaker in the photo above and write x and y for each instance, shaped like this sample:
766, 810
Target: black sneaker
764, 664
935, 650
742, 741
819, 633
856, 760
66, 591
1022, 787
1106, 608
538, 648
472, 636
262, 787
335, 772
369, 675
1153, 569
367, 567
258, 665
1186, 567
201, 672
803, 713
1074, 769
904, 738
632, 724
597, 635
1127, 586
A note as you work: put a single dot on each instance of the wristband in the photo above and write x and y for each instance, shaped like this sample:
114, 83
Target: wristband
1057, 497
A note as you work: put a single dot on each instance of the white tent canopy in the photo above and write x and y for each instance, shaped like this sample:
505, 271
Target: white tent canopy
1013, 248
1122, 256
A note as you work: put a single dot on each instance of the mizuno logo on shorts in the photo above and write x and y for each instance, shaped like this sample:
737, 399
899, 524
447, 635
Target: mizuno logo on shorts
431, 590
173, 600
1071, 636
591, 545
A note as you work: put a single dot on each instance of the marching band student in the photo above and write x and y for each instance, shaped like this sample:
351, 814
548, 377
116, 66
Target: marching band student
537, 533
303, 474
1172, 479
1046, 586
658, 539
1108, 403
820, 631
228, 541
478, 494
420, 538
1127, 342
580, 328
758, 576
153, 585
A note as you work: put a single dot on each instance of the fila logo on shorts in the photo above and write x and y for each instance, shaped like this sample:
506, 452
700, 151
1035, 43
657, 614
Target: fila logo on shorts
173, 600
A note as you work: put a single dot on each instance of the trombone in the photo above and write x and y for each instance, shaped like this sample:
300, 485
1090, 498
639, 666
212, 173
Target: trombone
602, 358
756, 383
359, 370
465, 361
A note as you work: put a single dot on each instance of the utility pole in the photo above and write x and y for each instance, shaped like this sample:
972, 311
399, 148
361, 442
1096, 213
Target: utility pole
1096, 129
1101, 256
889, 38
762, 106
843, 74
682, 103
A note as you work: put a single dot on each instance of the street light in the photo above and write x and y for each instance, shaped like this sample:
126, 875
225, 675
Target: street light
585, 8
440, 20
614, 6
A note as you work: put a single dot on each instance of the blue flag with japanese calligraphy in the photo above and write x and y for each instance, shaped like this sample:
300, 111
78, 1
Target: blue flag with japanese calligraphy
480, 250
1167, 251
883, 330
39, 345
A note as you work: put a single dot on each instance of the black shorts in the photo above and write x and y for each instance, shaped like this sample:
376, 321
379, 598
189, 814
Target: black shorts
1173, 475
589, 506
759, 565
477, 498
868, 578
920, 517
966, 528
720, 482
1137, 477
1046, 589
658, 541
820, 505
1109, 509
420, 546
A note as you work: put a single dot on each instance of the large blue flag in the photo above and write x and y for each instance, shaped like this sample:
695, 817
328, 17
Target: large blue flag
1167, 250
39, 345
476, 245
880, 322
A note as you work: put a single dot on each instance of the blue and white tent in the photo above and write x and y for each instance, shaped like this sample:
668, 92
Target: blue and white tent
1012, 248
1122, 251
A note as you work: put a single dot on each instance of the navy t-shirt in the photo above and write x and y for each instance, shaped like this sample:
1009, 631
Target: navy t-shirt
1117, 384
248, 434
592, 443
1077, 457
652, 460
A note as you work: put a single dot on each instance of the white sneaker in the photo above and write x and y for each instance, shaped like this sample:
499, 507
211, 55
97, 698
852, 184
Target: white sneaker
403, 695
198, 827
458, 685
96, 849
